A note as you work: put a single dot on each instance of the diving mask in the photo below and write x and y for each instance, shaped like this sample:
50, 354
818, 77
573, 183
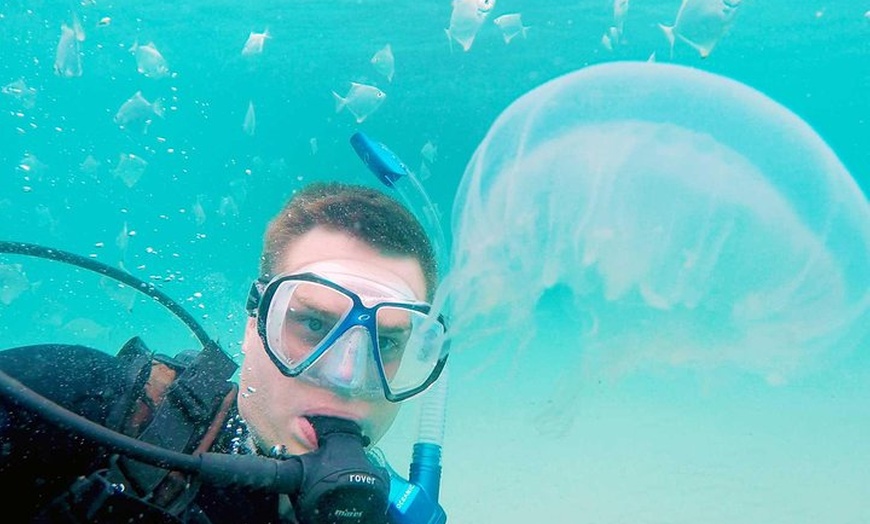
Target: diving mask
344, 331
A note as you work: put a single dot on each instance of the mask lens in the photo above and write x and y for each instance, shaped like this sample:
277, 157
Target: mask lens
301, 316
348, 366
302, 325
409, 346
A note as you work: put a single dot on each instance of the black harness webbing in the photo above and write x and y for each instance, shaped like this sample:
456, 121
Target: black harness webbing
189, 407
182, 406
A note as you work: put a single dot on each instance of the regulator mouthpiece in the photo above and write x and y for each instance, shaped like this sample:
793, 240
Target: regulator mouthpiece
340, 484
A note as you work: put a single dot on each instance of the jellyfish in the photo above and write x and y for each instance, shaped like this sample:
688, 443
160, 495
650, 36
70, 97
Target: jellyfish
630, 215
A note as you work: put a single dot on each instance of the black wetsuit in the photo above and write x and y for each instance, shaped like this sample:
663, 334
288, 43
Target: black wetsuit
40, 461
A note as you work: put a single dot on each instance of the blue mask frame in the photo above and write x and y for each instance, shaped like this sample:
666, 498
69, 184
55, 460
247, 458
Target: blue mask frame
260, 299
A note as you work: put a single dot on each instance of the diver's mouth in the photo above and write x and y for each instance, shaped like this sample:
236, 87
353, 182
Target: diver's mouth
313, 426
309, 436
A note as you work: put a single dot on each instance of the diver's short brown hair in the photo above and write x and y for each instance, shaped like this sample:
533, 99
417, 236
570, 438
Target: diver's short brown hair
359, 211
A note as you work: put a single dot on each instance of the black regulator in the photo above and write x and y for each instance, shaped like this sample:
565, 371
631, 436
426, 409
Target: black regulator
339, 482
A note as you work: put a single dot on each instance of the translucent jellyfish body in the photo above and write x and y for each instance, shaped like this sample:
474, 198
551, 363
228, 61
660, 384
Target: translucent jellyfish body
653, 213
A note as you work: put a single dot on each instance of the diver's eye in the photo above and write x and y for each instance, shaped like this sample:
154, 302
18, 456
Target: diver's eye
314, 324
307, 326
390, 347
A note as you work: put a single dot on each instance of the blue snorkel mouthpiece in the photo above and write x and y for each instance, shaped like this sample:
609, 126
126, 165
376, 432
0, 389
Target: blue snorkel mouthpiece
414, 501
379, 159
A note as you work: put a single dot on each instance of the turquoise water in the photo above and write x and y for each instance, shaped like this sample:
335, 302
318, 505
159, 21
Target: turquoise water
660, 446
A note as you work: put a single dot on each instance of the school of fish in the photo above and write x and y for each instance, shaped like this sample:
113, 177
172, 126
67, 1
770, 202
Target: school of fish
699, 25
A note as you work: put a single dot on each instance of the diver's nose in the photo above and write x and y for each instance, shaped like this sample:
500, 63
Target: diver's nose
348, 366
347, 361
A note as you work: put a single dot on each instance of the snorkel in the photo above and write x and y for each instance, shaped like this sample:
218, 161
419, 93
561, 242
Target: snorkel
414, 500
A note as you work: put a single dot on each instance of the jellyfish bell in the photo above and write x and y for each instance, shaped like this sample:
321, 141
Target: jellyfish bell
634, 214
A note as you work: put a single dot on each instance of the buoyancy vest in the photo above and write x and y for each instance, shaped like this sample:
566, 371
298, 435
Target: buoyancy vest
178, 403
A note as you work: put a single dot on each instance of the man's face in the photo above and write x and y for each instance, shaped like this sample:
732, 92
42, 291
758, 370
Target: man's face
274, 405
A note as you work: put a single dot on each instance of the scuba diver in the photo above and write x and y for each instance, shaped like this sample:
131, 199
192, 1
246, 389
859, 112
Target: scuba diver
340, 331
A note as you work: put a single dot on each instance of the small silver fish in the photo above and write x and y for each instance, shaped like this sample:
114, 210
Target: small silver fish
511, 26
20, 91
89, 165
138, 111
86, 328
429, 151
68, 56
238, 189
361, 100
249, 126
228, 207
610, 37
424, 173
33, 166
384, 62
122, 240
130, 168
254, 44
124, 295
149, 61
198, 209
606, 42
620, 11
701, 24
465, 21
13, 282
46, 220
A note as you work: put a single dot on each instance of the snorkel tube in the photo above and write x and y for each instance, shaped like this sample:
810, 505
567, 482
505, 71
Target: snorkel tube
415, 500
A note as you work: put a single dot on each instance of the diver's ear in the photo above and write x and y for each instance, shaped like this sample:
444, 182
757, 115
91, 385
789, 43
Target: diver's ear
252, 338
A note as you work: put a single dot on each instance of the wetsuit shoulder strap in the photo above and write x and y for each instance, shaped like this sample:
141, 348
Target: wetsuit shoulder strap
135, 360
181, 406
177, 403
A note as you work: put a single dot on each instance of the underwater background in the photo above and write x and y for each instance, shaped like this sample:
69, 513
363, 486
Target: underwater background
181, 200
